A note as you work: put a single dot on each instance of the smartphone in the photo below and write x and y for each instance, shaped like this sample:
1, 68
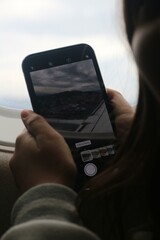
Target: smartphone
65, 86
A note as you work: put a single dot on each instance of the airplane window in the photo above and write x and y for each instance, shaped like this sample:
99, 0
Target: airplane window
31, 26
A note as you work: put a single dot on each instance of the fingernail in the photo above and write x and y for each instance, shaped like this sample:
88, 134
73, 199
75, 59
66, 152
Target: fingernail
25, 113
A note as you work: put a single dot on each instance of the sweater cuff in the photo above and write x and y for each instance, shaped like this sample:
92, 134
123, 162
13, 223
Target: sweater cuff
46, 201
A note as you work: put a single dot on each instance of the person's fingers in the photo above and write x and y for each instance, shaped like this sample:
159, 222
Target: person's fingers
38, 127
113, 94
35, 124
110, 93
118, 102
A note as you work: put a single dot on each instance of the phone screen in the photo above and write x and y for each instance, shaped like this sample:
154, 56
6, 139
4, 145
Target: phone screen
70, 98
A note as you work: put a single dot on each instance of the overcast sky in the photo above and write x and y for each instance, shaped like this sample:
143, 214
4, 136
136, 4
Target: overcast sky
79, 76
36, 25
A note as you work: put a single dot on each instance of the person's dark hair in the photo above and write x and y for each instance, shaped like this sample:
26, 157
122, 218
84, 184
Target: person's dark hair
104, 202
136, 12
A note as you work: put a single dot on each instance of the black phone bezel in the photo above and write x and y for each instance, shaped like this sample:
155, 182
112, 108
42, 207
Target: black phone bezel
59, 56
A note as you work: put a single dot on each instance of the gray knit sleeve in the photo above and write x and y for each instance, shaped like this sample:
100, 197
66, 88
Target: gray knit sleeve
47, 212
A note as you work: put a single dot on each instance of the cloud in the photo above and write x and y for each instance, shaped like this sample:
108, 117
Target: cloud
79, 76
31, 26
23, 9
56, 17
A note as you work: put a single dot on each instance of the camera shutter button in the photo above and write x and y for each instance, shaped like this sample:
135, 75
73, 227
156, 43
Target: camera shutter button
90, 169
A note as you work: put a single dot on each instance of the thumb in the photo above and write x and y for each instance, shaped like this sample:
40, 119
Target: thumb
36, 125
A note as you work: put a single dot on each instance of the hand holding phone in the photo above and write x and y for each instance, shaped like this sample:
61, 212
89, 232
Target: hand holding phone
66, 87
52, 161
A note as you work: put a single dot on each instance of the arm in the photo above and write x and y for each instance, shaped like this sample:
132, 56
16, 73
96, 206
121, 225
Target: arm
47, 211
45, 173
